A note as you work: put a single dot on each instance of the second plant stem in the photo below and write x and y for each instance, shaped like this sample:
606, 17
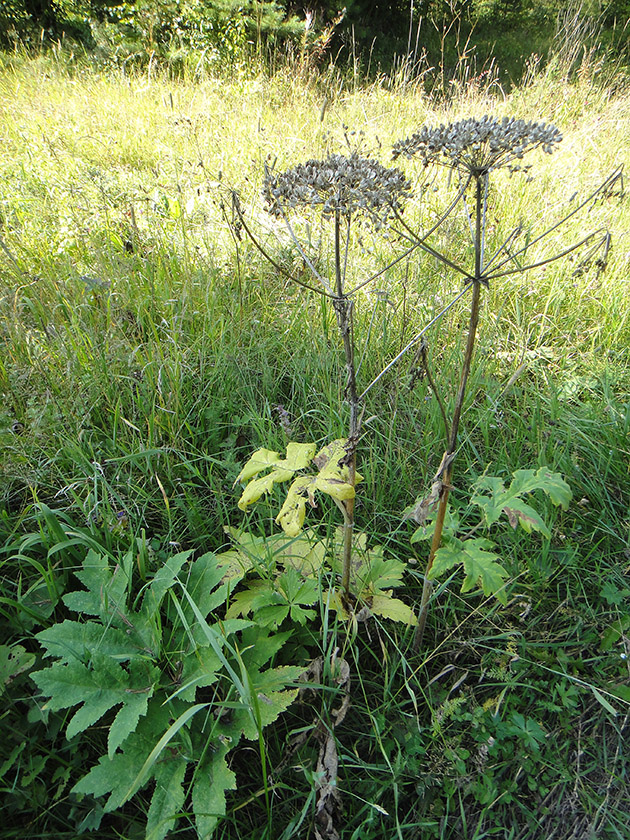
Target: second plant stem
447, 461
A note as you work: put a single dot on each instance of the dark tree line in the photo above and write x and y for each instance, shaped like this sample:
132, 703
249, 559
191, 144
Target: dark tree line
382, 27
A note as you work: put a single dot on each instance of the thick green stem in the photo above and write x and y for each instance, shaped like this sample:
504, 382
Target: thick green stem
447, 473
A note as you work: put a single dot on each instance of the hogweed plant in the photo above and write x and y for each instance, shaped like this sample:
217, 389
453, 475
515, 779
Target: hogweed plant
172, 668
342, 189
473, 149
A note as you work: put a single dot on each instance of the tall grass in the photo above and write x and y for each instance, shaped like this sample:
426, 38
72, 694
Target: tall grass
145, 349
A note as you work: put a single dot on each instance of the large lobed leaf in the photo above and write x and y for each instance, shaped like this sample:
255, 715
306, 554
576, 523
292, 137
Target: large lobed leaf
333, 479
299, 456
96, 690
156, 728
479, 565
107, 587
372, 579
498, 500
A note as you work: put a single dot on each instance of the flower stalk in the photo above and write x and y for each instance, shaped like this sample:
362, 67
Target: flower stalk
340, 188
449, 455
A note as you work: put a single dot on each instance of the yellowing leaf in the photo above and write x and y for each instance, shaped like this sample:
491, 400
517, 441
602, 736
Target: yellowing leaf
395, 609
305, 553
332, 451
334, 487
260, 460
293, 511
332, 597
334, 479
299, 456
328, 462
258, 486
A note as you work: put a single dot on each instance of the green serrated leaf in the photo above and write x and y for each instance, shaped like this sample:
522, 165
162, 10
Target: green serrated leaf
492, 505
425, 532
518, 513
296, 590
107, 586
242, 603
370, 571
198, 671
168, 798
96, 690
212, 779
270, 696
612, 595
259, 646
76, 641
614, 632
134, 706
526, 481
272, 615
300, 616
115, 775
509, 501
96, 576
479, 565
163, 580
148, 768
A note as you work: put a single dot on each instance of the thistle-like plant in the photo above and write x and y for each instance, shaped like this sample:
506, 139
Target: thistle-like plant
473, 149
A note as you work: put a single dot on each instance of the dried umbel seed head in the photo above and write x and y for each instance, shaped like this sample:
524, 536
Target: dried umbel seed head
345, 184
478, 146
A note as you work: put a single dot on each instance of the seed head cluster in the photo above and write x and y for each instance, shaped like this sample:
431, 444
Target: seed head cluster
345, 184
478, 146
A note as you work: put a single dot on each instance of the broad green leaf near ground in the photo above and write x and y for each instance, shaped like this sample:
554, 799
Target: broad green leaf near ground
106, 584
212, 778
167, 800
96, 689
480, 566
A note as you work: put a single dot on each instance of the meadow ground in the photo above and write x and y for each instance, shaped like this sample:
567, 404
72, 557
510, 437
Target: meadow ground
147, 348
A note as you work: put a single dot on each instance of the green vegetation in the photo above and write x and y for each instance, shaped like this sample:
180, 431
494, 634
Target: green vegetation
482, 36
172, 665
